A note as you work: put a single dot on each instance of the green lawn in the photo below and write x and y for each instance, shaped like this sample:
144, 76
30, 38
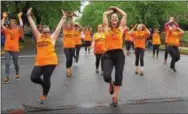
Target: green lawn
185, 36
183, 50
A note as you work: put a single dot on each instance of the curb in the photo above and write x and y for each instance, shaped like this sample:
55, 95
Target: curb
33, 109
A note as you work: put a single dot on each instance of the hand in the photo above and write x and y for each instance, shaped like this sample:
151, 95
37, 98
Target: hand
72, 14
171, 19
64, 14
114, 8
29, 11
20, 15
144, 26
5, 15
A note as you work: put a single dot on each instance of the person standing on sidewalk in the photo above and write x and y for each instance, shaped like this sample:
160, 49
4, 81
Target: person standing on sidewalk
12, 35
87, 38
99, 47
46, 58
174, 42
139, 36
156, 41
78, 42
69, 43
114, 55
166, 29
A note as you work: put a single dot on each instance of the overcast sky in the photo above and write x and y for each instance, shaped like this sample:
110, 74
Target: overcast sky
85, 3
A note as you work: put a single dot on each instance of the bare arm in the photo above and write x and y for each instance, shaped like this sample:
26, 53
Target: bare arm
32, 24
146, 29
132, 29
105, 19
3, 20
55, 34
21, 24
123, 19
182, 32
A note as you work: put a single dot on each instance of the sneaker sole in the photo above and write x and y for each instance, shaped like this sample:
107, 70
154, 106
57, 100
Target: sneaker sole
17, 78
6, 82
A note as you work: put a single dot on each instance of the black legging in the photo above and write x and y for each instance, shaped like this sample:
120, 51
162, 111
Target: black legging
175, 54
113, 58
77, 52
46, 71
87, 45
132, 44
166, 52
128, 45
99, 57
156, 48
69, 53
139, 53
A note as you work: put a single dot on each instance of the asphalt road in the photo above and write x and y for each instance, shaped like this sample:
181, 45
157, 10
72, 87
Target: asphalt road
86, 91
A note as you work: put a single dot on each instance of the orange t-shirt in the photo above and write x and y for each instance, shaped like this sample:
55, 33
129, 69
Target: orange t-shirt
166, 36
77, 38
12, 37
99, 46
46, 54
174, 38
128, 37
87, 36
68, 39
140, 38
113, 39
156, 38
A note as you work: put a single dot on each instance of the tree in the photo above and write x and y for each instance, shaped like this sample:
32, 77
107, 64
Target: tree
153, 14
45, 12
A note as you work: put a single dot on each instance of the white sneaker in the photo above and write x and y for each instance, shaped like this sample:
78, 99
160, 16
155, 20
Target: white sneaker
76, 64
101, 73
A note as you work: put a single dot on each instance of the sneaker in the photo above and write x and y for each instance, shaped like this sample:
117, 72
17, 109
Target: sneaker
6, 80
136, 72
17, 76
114, 102
69, 74
76, 64
97, 71
141, 73
173, 69
164, 62
101, 73
43, 98
111, 88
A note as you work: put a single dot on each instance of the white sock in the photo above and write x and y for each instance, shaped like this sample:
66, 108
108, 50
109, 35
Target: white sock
142, 69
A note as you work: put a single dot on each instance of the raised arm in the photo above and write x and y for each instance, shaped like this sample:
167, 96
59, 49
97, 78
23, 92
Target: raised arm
105, 18
21, 24
32, 24
182, 32
171, 19
55, 34
132, 29
146, 29
123, 19
3, 20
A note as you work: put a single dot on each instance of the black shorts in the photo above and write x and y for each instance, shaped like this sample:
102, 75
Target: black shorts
88, 43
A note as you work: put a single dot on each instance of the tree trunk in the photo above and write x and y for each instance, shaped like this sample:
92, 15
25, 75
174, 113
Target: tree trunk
25, 21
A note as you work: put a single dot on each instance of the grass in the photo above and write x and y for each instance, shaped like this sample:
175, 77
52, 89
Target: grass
183, 50
185, 36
